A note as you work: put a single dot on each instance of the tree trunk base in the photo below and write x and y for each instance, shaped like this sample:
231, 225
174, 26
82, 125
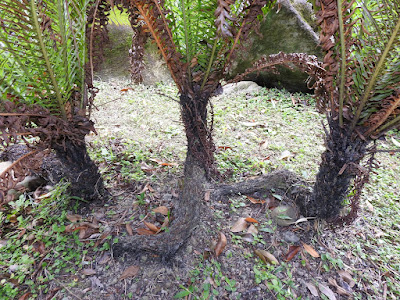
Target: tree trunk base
186, 216
187, 208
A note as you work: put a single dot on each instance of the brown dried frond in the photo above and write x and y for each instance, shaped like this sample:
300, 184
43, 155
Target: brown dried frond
306, 63
222, 15
156, 23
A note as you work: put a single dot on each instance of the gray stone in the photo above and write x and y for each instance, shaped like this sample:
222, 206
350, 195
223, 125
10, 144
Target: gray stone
240, 87
286, 28
284, 215
290, 237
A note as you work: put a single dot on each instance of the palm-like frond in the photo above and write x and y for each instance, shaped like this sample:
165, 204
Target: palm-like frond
362, 40
43, 52
198, 38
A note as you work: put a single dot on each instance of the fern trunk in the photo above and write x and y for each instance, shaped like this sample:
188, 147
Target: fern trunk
78, 168
338, 168
200, 146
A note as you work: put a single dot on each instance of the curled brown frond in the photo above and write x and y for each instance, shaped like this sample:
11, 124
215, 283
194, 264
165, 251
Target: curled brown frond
156, 23
222, 15
306, 63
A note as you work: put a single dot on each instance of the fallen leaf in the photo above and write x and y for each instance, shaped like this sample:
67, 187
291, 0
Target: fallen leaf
285, 155
293, 250
327, 291
82, 233
248, 237
310, 250
396, 143
104, 259
39, 246
266, 257
224, 147
207, 196
162, 210
251, 220
3, 243
339, 289
252, 124
312, 288
132, 271
25, 296
88, 272
369, 206
143, 231
240, 225
255, 201
23, 230
125, 89
151, 226
347, 278
252, 229
129, 229
277, 196
162, 163
96, 282
220, 244
74, 218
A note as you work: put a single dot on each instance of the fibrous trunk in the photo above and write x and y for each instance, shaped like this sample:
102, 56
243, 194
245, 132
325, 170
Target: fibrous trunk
75, 165
338, 168
199, 136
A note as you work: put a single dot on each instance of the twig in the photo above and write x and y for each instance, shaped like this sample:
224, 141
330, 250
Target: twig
63, 285
97, 106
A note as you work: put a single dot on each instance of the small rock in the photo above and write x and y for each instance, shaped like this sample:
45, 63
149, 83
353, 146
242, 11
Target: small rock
290, 237
284, 215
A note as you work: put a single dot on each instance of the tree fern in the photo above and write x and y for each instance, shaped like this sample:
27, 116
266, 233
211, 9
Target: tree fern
359, 91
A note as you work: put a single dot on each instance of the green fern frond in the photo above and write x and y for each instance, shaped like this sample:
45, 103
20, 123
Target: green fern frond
43, 43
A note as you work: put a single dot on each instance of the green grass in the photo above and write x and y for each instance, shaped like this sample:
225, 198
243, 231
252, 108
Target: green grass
37, 248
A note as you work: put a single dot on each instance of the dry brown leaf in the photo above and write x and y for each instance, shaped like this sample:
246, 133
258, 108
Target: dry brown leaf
266, 257
240, 225
162, 163
82, 233
222, 241
207, 195
129, 229
252, 229
312, 288
255, 201
88, 272
151, 226
251, 220
143, 231
74, 218
310, 250
347, 278
25, 296
327, 291
161, 210
339, 289
132, 271
293, 250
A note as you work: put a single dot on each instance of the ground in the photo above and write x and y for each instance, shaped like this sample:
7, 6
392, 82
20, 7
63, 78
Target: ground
140, 149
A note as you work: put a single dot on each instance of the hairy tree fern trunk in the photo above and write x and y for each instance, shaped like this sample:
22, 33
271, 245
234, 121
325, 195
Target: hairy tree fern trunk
336, 173
77, 168
199, 138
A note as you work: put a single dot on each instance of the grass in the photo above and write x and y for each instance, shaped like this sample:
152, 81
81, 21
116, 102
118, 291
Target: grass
139, 129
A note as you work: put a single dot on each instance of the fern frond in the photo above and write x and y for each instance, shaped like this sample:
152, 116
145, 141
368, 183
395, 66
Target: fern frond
45, 43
